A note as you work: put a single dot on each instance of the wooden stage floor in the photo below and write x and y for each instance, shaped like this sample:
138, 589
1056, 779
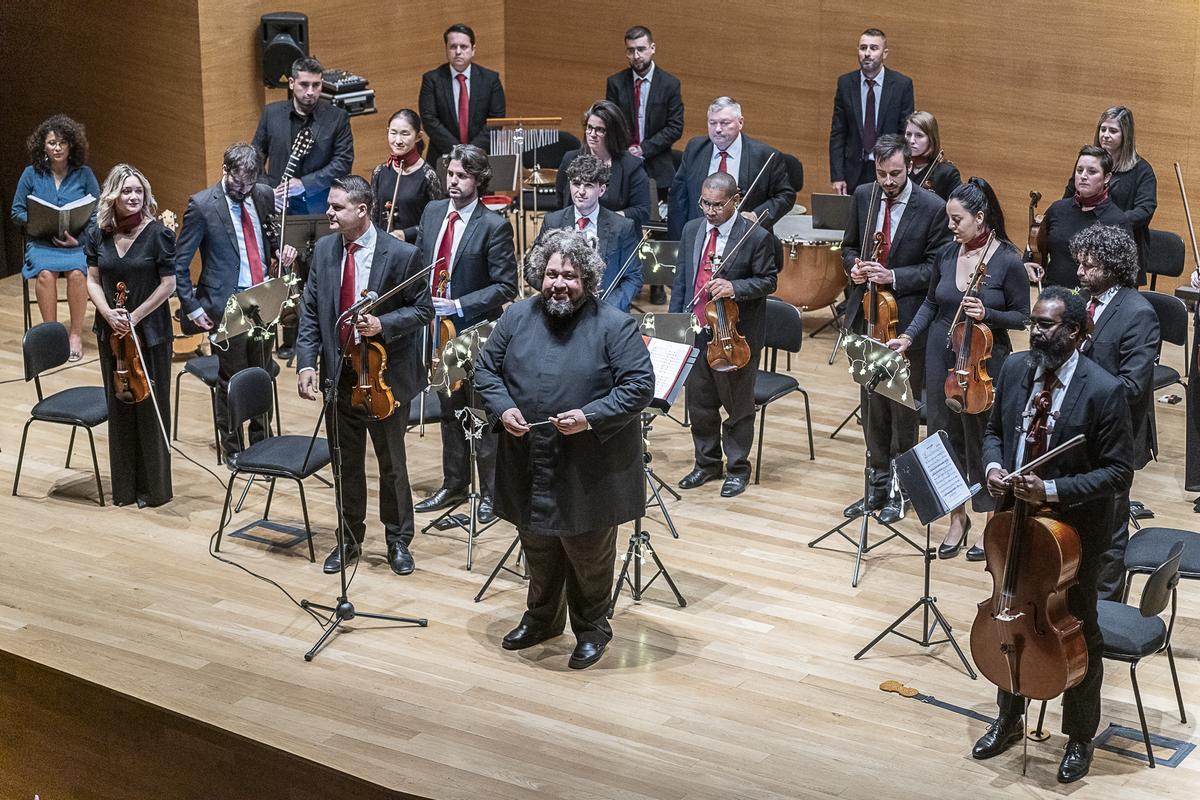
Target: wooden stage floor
751, 691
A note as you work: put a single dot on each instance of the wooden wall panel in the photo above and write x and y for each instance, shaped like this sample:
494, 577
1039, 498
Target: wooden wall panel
1016, 86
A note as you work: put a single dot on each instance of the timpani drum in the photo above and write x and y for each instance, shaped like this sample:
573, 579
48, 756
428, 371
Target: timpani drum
811, 275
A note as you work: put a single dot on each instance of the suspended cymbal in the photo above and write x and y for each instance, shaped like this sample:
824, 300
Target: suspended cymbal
540, 177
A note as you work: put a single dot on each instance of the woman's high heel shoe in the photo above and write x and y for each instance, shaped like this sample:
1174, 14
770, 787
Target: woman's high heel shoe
951, 550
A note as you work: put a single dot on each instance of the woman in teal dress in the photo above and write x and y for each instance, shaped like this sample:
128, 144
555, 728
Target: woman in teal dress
58, 175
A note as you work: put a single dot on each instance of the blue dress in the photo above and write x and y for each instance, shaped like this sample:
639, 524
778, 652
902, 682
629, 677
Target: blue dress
41, 254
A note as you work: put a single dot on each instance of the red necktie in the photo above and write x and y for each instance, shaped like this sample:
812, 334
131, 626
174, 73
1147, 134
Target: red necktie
582, 222
252, 254
724, 165
868, 137
637, 110
885, 249
464, 113
445, 252
704, 273
1092, 304
348, 295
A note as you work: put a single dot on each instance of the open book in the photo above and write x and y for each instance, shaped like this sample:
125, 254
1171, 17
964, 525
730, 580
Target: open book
672, 361
48, 221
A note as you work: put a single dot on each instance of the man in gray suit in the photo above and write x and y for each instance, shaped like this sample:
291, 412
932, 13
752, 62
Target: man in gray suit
612, 236
228, 225
359, 257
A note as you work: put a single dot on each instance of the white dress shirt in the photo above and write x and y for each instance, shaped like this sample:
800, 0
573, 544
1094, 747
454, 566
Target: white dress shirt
898, 206
592, 231
1102, 301
464, 216
734, 161
645, 92
863, 80
362, 270
245, 279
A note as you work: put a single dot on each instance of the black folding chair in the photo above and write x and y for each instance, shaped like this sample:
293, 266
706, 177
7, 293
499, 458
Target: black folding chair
1173, 327
1164, 256
785, 331
205, 369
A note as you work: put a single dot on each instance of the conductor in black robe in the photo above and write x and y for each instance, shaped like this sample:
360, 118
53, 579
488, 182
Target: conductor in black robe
568, 377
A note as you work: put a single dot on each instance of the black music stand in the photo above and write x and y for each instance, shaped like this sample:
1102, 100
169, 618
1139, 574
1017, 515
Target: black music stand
877, 369
934, 483
301, 231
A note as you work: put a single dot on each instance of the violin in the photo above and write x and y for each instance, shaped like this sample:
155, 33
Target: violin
1025, 639
728, 350
927, 181
1033, 243
130, 384
371, 391
879, 305
441, 331
968, 387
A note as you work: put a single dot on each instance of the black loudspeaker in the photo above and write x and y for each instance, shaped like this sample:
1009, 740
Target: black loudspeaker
284, 39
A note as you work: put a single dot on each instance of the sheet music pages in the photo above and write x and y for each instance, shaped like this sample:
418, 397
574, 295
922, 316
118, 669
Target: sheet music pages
944, 478
669, 360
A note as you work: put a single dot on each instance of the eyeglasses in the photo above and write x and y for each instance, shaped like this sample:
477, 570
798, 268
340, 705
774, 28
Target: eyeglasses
595, 130
1045, 325
707, 206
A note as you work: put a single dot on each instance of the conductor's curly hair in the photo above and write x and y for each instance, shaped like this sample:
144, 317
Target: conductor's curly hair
574, 247
1111, 248
69, 131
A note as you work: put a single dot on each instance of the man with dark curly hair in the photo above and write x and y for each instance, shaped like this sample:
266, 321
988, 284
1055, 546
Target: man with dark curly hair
568, 377
1125, 341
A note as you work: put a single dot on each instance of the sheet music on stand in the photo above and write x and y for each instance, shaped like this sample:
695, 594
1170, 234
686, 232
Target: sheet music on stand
670, 338
932, 479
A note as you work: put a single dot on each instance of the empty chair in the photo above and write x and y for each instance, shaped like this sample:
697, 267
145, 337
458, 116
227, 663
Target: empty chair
785, 331
205, 368
1164, 255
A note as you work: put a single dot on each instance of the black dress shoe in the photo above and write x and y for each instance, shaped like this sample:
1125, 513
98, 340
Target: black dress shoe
586, 654
400, 559
442, 498
658, 295
1003, 734
976, 553
333, 561
697, 477
524, 636
857, 509
1077, 760
485, 513
892, 511
733, 486
951, 550
285, 352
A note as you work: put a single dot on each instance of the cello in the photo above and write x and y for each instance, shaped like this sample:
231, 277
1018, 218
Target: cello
130, 384
968, 388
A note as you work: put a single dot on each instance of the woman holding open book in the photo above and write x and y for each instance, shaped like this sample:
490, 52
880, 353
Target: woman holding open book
57, 177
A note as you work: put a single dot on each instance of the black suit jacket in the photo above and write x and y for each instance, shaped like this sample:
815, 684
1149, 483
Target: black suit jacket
617, 238
1086, 477
208, 228
1125, 342
439, 114
752, 273
664, 118
403, 316
773, 192
483, 276
921, 235
331, 156
628, 187
845, 132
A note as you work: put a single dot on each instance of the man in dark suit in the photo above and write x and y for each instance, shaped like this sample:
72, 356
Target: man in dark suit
614, 237
332, 152
1125, 341
870, 102
747, 278
580, 364
355, 258
227, 225
1054, 384
474, 276
726, 149
912, 222
652, 102
442, 101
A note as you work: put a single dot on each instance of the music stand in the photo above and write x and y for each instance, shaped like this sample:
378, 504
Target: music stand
934, 484
878, 369
254, 311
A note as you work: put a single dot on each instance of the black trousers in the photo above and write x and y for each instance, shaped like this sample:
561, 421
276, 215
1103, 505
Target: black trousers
233, 356
892, 428
1081, 704
138, 456
456, 454
1112, 562
387, 438
573, 571
707, 393
966, 438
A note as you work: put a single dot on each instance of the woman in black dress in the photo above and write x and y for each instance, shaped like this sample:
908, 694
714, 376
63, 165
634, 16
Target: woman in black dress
405, 183
1133, 187
128, 245
606, 136
1089, 205
921, 133
1003, 304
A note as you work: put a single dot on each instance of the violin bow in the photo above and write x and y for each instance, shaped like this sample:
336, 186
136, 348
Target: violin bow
625, 267
725, 259
1187, 213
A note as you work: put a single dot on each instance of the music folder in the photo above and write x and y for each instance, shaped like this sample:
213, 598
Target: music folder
932, 479
48, 221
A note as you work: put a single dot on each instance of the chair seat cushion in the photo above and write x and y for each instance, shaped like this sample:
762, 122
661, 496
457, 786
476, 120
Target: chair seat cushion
1126, 632
770, 386
81, 405
433, 408
1164, 376
1149, 548
284, 455
206, 368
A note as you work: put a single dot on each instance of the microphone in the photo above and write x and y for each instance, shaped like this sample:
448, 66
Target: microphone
366, 300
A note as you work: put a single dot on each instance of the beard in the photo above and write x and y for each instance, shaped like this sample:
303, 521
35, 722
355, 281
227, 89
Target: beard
1052, 352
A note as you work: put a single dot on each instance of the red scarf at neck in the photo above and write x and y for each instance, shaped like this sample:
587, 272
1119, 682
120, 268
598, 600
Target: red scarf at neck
406, 161
128, 224
978, 241
1093, 201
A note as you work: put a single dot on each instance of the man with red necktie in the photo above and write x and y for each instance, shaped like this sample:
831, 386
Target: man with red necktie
355, 258
459, 97
747, 278
227, 225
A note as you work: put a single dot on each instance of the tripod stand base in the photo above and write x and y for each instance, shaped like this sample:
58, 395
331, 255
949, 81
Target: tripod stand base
344, 611
927, 605
503, 565
639, 544
861, 546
